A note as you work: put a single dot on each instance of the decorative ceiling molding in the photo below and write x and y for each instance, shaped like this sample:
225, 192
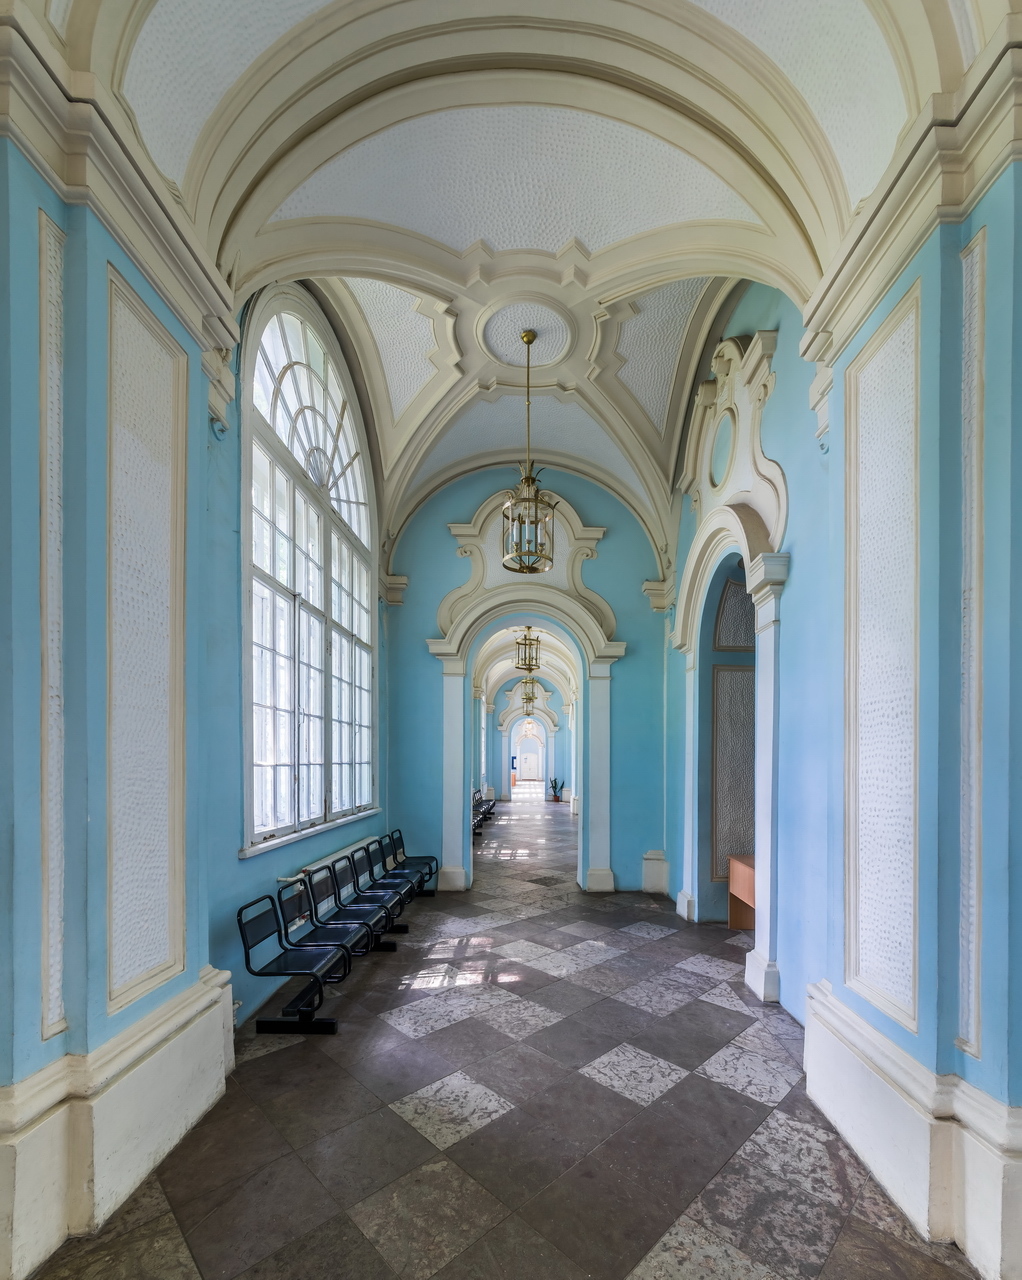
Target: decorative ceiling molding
480, 540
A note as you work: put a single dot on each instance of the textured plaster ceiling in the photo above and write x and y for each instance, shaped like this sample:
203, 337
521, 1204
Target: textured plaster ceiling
517, 177
502, 333
498, 425
651, 341
404, 338
186, 57
835, 55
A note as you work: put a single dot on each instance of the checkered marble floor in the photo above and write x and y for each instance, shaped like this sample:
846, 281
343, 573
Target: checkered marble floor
539, 1084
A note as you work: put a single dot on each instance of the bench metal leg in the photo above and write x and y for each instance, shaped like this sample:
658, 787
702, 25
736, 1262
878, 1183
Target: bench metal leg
398, 928
382, 944
296, 1026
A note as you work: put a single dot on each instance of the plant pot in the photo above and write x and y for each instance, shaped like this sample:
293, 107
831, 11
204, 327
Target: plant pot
556, 799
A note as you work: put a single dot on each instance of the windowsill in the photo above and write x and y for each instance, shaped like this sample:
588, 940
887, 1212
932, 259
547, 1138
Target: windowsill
293, 837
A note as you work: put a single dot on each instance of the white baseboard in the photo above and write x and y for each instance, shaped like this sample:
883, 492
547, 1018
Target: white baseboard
79, 1136
948, 1154
654, 871
600, 880
452, 880
686, 905
763, 977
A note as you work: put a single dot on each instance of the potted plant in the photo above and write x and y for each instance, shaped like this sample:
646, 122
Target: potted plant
556, 787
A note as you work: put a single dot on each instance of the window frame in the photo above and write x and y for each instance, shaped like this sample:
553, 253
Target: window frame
255, 430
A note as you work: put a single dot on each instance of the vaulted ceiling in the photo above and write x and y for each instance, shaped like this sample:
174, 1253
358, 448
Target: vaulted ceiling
449, 171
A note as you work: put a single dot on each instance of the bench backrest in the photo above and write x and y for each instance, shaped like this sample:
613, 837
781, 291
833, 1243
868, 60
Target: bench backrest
362, 866
324, 890
259, 921
377, 857
295, 905
344, 878
397, 841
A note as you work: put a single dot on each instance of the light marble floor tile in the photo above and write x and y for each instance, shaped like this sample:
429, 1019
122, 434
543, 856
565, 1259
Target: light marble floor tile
444, 1009
635, 1074
752, 1074
689, 1252
651, 931
520, 1018
583, 929
744, 940
450, 1109
524, 951
574, 959
712, 966
724, 996
660, 995
812, 1156
759, 1040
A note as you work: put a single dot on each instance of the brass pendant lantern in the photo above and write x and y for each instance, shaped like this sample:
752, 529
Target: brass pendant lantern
528, 694
528, 516
527, 651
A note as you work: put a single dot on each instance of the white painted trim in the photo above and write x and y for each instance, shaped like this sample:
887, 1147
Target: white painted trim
51, 618
654, 871
948, 1154
765, 578
971, 696
599, 877
294, 837
80, 1135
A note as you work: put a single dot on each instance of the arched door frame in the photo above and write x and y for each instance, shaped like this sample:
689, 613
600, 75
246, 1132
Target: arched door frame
515, 605
726, 531
506, 722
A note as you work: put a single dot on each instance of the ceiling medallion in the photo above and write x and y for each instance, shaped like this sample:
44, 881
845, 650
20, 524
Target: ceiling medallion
528, 516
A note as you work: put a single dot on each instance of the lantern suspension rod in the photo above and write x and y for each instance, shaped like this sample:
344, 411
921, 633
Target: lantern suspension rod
528, 337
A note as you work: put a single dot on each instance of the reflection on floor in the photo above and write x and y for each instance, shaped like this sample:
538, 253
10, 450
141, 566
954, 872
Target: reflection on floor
539, 1085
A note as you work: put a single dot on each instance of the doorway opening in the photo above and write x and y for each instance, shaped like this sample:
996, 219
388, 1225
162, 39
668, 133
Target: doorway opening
727, 750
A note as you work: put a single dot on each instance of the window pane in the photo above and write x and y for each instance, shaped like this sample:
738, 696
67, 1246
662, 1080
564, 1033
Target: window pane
272, 719
311, 776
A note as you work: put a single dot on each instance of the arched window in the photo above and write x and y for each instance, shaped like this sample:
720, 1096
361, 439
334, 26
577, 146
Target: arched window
312, 620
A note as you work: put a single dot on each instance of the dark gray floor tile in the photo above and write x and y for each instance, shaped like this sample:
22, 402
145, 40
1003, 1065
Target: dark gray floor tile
354, 1041
613, 1017
393, 1073
516, 1156
215, 1154
426, 1218
466, 1041
154, 1250
517, 1072
552, 938
358, 1160
266, 1211
235, 1099
511, 1251
602, 1221
334, 1250
276, 1073
565, 996
582, 1110
305, 1114
693, 1033
712, 1115
571, 1043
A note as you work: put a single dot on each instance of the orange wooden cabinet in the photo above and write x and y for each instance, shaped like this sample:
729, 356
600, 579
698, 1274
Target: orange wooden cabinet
741, 893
